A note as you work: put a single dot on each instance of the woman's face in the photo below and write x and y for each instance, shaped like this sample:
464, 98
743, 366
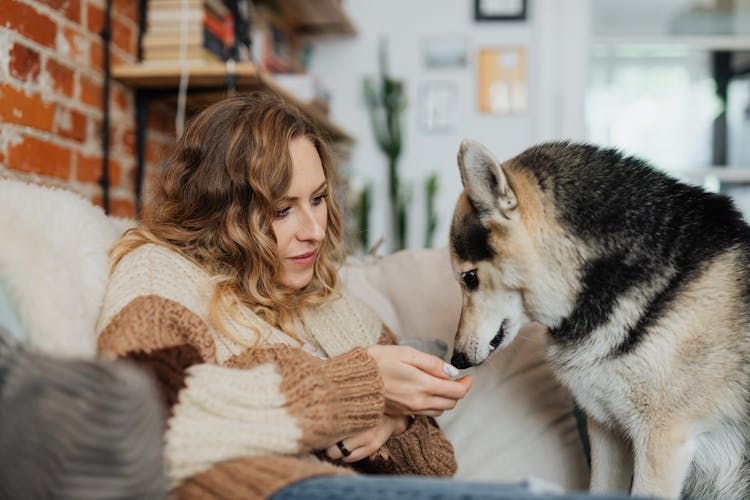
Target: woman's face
301, 215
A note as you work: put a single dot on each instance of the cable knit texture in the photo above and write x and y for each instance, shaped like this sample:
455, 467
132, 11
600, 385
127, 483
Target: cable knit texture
341, 389
168, 323
387, 337
168, 367
418, 450
230, 481
77, 429
249, 408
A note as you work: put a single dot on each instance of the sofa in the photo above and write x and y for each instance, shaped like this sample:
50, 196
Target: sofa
516, 424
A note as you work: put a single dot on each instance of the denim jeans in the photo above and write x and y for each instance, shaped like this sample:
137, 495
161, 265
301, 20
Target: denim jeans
421, 488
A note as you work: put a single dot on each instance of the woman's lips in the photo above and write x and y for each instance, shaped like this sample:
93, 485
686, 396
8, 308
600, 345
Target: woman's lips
304, 259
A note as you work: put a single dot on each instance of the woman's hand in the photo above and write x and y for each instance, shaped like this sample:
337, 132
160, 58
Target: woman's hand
417, 383
364, 443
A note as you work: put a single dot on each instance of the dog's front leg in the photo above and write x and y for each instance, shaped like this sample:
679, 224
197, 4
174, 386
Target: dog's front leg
611, 460
662, 461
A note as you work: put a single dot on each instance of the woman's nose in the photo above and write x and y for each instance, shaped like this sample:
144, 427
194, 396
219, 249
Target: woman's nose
310, 228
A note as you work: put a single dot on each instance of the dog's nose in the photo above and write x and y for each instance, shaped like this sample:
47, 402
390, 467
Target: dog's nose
459, 360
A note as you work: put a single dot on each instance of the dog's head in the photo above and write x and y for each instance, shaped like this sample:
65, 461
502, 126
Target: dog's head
492, 255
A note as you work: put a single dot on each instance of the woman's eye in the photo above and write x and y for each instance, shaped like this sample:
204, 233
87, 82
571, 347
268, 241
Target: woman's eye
319, 199
282, 213
470, 279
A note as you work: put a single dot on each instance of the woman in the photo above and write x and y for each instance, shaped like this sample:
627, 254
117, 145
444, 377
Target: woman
227, 292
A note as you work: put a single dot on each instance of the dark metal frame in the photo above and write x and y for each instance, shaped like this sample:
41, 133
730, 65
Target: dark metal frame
106, 34
141, 116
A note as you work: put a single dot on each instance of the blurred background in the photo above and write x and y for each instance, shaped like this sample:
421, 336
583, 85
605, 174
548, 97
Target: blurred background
94, 92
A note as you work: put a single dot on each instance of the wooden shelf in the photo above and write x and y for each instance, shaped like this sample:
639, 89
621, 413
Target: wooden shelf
166, 75
319, 18
212, 77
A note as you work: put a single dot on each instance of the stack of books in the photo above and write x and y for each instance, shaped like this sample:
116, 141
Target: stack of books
276, 47
198, 30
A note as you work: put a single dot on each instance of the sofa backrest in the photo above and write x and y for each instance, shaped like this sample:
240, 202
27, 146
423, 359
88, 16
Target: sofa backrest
413, 291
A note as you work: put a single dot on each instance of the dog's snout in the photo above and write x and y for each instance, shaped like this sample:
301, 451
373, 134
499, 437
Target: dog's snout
459, 360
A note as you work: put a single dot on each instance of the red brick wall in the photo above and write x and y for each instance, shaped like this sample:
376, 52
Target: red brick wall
51, 99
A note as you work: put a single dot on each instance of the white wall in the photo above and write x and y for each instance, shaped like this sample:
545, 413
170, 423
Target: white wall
555, 37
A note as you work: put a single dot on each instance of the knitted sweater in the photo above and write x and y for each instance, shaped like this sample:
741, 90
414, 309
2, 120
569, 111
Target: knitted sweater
246, 418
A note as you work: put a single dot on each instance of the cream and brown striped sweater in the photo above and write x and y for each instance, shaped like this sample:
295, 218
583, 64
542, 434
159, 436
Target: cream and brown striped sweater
244, 421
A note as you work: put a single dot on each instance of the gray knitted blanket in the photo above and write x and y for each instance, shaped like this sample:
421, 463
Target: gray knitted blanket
77, 429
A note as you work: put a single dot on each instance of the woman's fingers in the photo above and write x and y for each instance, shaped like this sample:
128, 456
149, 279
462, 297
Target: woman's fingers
413, 380
413, 357
339, 450
434, 406
429, 413
429, 363
442, 396
452, 389
358, 453
357, 447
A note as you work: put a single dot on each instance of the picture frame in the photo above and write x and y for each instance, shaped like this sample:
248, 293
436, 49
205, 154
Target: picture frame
445, 51
438, 105
500, 10
502, 80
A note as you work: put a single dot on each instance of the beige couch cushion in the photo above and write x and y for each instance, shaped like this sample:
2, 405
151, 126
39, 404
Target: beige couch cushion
413, 291
517, 422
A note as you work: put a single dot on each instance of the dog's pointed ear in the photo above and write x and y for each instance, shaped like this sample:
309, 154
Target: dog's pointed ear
484, 179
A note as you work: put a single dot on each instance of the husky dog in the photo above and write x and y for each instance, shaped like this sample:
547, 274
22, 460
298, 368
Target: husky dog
643, 283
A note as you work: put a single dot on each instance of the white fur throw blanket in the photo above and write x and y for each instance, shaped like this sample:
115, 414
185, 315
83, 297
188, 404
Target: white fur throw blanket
54, 264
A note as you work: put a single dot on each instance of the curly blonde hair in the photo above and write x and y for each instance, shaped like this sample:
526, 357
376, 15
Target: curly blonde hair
216, 202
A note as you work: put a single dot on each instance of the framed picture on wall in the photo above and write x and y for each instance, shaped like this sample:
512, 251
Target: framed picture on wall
499, 10
438, 105
445, 51
502, 85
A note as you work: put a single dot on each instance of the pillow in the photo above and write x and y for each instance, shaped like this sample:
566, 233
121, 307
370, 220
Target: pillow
413, 291
517, 422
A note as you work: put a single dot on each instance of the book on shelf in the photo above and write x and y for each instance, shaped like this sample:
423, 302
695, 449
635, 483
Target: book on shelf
218, 7
276, 47
170, 38
172, 34
205, 27
207, 41
243, 12
222, 27
192, 55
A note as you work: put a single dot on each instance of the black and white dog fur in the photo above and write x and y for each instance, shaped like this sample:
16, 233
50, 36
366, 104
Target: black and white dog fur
642, 282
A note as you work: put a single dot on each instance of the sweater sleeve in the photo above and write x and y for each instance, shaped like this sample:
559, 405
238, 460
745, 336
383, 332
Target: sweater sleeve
265, 402
421, 449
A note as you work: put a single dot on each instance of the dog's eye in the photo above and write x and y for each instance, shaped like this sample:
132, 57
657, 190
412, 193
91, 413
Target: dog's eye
470, 279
